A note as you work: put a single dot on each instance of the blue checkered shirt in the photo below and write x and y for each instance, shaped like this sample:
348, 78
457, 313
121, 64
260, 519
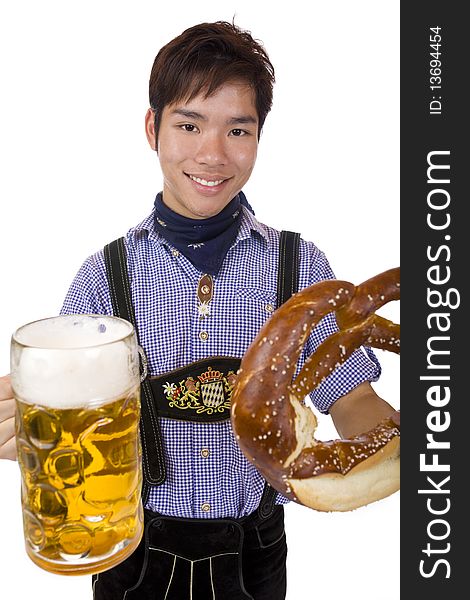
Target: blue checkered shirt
207, 475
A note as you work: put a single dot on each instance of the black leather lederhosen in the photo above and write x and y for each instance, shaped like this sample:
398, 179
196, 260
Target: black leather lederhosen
178, 554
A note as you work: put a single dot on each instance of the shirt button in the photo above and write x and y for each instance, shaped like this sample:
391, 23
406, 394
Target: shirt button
269, 308
175, 252
206, 507
205, 452
203, 335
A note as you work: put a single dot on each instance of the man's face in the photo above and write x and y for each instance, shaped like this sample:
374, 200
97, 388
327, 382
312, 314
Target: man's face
207, 149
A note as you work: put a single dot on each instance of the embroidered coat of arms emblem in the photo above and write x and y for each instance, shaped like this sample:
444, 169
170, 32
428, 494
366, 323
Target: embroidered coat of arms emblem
209, 392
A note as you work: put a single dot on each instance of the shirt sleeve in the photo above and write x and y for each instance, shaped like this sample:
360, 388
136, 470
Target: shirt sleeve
361, 366
89, 292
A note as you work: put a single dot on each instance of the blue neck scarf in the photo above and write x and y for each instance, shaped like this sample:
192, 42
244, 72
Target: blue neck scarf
205, 242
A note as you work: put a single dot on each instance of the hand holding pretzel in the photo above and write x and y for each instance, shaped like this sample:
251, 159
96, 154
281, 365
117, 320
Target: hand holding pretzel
275, 430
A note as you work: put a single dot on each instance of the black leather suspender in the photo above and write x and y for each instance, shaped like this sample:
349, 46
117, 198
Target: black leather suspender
288, 269
121, 298
153, 462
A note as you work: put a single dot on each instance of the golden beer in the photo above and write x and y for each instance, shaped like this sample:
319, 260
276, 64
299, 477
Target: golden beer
77, 390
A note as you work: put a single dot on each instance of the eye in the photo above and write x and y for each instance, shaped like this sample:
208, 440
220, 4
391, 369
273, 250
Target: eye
188, 127
238, 132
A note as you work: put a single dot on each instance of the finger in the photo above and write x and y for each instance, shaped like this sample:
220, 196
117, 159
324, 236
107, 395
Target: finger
5, 387
7, 409
8, 450
7, 431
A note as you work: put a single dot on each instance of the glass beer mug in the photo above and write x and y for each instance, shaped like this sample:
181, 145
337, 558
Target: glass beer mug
76, 382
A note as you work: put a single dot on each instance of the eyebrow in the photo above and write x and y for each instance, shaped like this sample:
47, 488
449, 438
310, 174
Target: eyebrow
191, 114
243, 119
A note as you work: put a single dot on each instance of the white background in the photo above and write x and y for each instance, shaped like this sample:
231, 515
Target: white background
77, 172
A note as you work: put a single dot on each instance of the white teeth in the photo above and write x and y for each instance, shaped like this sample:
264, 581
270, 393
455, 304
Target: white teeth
204, 182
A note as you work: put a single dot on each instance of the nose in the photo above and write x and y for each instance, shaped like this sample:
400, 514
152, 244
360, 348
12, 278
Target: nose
211, 150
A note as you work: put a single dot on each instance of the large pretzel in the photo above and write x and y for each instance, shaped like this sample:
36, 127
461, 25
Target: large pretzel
275, 430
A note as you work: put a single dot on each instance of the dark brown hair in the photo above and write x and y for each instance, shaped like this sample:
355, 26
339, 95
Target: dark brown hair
203, 58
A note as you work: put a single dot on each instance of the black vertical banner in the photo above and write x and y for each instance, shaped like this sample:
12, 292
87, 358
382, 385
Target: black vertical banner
435, 260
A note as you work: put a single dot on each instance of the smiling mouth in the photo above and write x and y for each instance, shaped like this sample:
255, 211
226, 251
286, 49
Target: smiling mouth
205, 182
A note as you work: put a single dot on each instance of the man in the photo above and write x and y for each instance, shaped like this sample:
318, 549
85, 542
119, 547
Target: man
203, 277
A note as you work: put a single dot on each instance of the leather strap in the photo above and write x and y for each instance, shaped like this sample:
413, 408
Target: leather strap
153, 462
288, 272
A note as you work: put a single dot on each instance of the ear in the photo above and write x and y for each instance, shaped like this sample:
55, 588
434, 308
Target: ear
150, 128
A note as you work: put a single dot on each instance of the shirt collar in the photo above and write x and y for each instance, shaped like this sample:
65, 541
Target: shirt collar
249, 224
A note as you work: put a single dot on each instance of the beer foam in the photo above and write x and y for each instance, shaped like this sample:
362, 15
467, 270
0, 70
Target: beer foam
74, 360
